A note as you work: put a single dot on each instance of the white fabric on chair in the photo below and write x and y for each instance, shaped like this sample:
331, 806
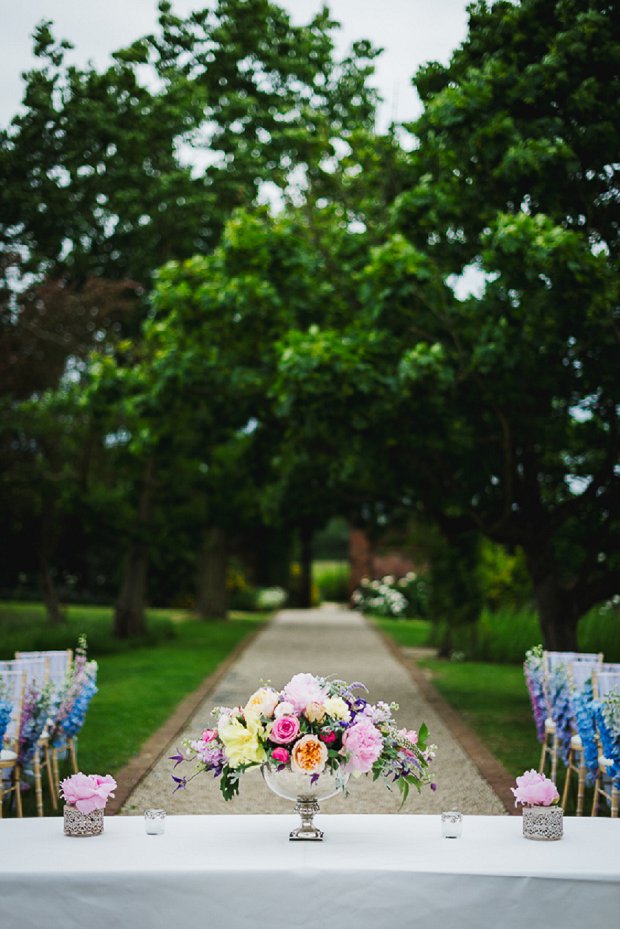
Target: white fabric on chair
371, 872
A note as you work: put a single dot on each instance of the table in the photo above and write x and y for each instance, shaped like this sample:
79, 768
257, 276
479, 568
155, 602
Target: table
371, 872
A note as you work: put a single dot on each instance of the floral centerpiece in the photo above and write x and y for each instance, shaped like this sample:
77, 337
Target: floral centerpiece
539, 797
320, 731
86, 796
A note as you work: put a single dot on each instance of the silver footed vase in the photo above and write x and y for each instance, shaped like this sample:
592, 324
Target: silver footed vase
306, 795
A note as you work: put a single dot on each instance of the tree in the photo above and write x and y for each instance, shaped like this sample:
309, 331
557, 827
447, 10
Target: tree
498, 413
98, 184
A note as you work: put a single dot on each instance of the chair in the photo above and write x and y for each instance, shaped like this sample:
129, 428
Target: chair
13, 684
79, 689
583, 752
606, 691
559, 723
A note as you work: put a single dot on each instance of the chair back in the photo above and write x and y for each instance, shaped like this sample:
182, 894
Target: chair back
553, 660
604, 683
580, 672
57, 662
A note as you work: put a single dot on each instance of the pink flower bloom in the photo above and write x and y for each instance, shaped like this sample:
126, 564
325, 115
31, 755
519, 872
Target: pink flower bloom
87, 792
208, 735
363, 745
281, 755
327, 737
284, 730
412, 736
303, 689
534, 789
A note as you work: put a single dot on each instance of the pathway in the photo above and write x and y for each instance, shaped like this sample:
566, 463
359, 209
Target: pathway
330, 642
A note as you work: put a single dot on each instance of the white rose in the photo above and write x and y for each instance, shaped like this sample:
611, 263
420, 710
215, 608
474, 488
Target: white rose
284, 709
337, 709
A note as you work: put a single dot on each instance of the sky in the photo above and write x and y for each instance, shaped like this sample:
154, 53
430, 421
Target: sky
410, 32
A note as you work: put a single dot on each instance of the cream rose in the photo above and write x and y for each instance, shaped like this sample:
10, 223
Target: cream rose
284, 709
315, 712
337, 708
262, 703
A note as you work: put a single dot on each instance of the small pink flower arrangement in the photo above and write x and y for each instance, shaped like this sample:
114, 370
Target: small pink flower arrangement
534, 789
87, 792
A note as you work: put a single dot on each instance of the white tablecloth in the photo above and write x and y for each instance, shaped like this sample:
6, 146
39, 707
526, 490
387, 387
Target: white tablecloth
370, 872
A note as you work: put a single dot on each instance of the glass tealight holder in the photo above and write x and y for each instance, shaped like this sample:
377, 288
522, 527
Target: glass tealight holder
451, 824
155, 822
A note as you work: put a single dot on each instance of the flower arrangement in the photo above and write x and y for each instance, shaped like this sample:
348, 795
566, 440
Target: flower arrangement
534, 789
313, 725
87, 792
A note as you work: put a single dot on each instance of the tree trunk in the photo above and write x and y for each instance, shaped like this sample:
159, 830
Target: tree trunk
55, 614
129, 615
212, 601
558, 615
305, 580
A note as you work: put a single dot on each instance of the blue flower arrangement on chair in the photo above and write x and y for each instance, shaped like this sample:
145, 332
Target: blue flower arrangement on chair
607, 716
6, 708
584, 717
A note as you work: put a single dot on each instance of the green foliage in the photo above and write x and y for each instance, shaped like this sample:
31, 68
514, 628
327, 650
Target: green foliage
332, 580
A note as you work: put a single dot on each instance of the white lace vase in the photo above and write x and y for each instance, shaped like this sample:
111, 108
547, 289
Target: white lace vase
543, 823
82, 824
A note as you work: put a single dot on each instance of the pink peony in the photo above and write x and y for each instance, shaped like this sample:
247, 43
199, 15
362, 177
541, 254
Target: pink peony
303, 689
87, 792
363, 745
281, 755
534, 789
284, 730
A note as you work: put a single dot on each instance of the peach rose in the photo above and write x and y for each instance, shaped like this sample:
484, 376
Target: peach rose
309, 755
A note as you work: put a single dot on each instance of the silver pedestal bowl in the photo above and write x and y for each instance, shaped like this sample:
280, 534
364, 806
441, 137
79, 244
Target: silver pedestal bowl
306, 795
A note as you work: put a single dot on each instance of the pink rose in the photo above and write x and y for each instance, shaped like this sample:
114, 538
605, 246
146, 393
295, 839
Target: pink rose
208, 735
303, 689
327, 737
281, 755
534, 789
284, 730
87, 792
362, 743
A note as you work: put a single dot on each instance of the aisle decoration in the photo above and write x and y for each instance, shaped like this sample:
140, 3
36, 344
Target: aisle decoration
86, 796
309, 738
539, 797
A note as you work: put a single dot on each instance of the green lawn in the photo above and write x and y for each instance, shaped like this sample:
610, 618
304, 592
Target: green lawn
139, 685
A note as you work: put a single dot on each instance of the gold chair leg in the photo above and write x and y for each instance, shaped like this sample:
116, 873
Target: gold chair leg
595, 797
37, 782
55, 767
17, 781
554, 759
53, 787
615, 794
581, 784
569, 768
541, 767
1, 793
72, 754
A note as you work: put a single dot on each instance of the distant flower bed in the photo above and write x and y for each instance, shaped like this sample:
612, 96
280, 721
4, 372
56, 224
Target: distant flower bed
405, 597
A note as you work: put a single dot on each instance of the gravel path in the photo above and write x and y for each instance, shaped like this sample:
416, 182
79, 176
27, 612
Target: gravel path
330, 642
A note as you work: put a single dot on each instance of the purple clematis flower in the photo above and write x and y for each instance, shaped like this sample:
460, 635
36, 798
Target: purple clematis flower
178, 758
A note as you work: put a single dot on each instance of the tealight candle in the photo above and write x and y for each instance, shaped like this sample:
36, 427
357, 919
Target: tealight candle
451, 824
155, 822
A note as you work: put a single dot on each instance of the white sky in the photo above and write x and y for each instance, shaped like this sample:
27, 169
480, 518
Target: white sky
409, 31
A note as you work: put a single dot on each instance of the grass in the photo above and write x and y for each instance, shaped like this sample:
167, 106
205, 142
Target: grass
331, 579
139, 686
409, 633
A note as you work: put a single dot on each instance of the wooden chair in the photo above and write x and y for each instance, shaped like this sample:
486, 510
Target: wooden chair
606, 684
580, 677
554, 662
14, 681
58, 664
